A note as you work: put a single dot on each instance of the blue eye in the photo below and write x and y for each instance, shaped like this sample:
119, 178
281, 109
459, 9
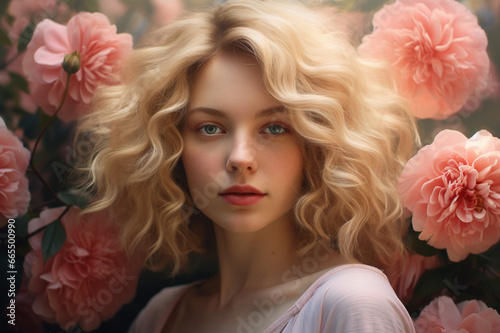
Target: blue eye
275, 129
210, 129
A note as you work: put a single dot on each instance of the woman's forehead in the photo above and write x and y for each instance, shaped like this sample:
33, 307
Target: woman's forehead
231, 81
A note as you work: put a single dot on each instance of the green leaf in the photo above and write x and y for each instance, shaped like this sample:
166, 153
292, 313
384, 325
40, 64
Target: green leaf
20, 82
4, 38
73, 198
53, 239
26, 36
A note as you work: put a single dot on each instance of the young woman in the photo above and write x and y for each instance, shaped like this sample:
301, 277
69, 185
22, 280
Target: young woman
256, 132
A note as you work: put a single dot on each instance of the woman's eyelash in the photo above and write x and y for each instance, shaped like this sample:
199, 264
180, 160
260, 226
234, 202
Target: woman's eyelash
209, 129
275, 129
272, 128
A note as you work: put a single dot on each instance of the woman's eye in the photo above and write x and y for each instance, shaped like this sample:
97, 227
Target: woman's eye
210, 129
275, 129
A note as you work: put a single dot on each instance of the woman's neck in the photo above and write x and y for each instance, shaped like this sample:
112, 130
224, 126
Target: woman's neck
253, 261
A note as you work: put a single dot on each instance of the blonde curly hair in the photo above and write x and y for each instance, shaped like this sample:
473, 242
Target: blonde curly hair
356, 132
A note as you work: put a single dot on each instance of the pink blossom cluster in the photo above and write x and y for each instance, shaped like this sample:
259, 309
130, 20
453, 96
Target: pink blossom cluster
88, 280
437, 52
443, 315
14, 160
102, 52
452, 187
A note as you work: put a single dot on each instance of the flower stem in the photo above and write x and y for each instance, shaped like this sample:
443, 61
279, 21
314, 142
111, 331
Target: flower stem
32, 163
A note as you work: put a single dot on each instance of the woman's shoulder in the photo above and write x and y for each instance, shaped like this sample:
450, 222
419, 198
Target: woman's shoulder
354, 284
153, 316
352, 298
360, 276
359, 298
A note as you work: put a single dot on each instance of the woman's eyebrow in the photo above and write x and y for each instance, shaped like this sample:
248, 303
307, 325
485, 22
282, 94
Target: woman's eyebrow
219, 113
271, 111
207, 110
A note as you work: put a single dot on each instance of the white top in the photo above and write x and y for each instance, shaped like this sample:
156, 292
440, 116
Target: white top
347, 298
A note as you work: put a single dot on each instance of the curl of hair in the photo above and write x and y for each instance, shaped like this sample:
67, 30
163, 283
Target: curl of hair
356, 132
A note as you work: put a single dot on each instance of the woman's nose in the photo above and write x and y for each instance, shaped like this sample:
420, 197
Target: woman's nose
242, 156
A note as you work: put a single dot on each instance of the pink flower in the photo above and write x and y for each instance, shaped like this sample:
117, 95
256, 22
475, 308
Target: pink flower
436, 49
14, 160
404, 278
442, 315
453, 189
88, 279
167, 11
102, 52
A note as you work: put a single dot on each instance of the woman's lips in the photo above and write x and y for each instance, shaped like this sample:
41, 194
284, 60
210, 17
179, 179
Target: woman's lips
242, 199
242, 195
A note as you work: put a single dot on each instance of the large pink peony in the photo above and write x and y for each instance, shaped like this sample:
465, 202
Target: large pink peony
14, 160
437, 51
88, 279
453, 189
442, 315
102, 52
404, 278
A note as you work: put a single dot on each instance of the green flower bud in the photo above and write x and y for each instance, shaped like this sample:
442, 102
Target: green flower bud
71, 62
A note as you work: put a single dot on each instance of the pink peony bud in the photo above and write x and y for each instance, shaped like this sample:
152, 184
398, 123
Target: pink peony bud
71, 62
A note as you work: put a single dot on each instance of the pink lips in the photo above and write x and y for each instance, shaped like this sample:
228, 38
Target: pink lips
242, 195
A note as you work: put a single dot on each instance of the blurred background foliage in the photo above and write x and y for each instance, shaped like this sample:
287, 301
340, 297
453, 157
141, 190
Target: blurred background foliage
57, 156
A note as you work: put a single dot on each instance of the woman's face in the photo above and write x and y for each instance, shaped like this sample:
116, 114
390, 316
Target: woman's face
244, 165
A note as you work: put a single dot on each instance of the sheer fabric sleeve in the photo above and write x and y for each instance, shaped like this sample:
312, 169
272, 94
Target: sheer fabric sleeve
363, 302
353, 299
